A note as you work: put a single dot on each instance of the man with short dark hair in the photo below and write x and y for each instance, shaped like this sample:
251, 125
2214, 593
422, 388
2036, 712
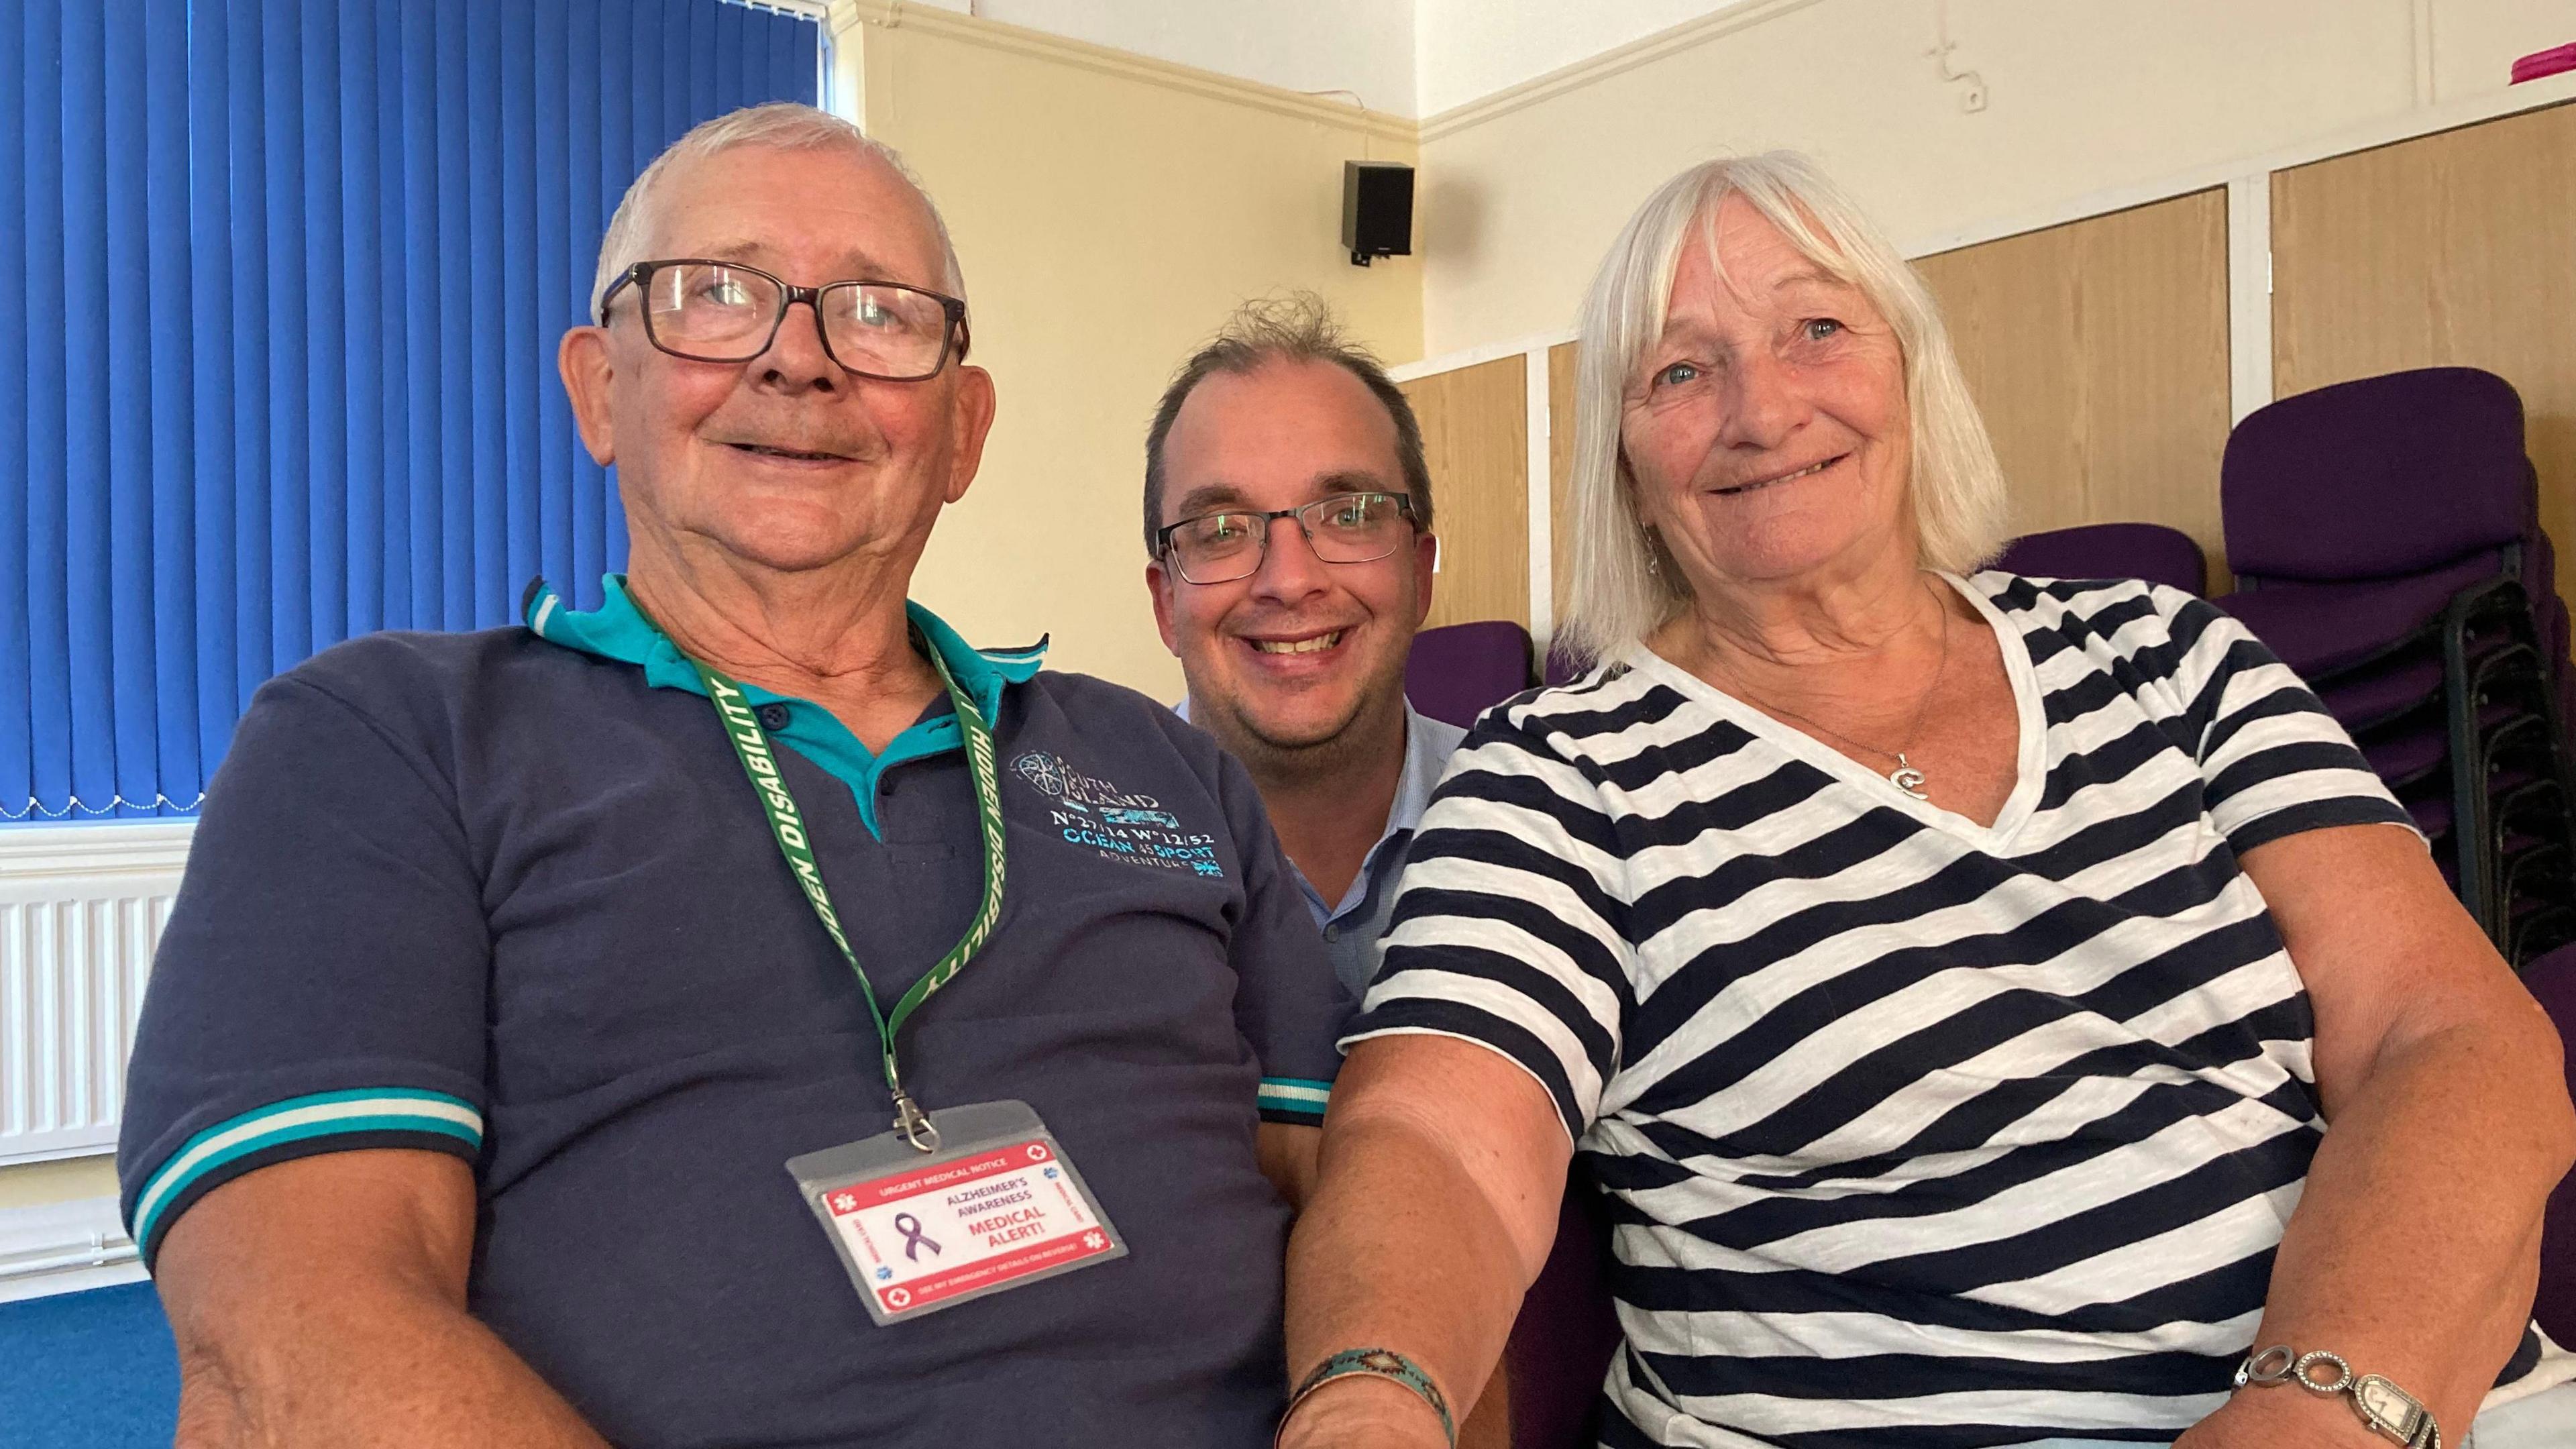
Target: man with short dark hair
1288, 524
742, 1013
1288, 527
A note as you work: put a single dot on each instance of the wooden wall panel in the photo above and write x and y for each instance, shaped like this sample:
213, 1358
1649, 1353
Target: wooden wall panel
2457, 249
2097, 352
1560, 472
1476, 435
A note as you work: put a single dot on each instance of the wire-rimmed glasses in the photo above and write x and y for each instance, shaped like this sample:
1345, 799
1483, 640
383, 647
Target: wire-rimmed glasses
714, 311
1347, 528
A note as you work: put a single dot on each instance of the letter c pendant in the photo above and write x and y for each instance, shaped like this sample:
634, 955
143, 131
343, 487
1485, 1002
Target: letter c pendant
1907, 778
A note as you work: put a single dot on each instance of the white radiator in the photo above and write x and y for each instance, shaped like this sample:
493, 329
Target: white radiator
81, 909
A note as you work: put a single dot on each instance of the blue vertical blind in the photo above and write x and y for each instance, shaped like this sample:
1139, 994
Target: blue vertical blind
284, 280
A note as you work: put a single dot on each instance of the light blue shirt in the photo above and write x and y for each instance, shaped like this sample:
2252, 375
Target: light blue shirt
1352, 926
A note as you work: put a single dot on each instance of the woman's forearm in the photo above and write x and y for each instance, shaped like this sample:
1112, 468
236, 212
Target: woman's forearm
2413, 1252
1435, 1207
1400, 1250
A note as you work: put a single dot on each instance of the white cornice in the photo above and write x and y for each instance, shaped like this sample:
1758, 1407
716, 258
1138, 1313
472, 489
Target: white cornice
1037, 44
1608, 63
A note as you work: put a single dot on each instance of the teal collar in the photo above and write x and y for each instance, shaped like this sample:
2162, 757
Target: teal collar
618, 630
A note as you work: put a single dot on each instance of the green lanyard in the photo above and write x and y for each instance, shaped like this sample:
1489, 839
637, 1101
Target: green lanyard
751, 744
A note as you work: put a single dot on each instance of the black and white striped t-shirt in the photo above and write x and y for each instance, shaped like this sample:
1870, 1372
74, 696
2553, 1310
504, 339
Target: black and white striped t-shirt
1914, 1131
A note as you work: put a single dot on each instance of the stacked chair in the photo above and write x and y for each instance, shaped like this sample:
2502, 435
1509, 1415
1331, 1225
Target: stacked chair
2386, 544
1457, 671
2149, 551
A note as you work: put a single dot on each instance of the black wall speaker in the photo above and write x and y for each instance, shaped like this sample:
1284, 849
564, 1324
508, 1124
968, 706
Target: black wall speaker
1377, 210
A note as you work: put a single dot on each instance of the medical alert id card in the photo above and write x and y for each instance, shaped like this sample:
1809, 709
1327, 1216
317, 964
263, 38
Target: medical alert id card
996, 1207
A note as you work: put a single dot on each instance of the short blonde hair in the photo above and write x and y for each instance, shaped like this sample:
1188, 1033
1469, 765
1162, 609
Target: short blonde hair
786, 125
1619, 592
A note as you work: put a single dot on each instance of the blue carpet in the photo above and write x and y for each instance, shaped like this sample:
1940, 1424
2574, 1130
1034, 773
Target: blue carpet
91, 1370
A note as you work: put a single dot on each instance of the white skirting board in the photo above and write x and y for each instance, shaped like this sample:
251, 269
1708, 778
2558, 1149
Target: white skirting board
65, 1247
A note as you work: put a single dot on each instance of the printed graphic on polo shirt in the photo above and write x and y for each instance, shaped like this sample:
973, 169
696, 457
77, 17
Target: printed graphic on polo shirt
1091, 812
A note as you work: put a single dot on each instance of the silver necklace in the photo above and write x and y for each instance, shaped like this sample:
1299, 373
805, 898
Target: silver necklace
1904, 777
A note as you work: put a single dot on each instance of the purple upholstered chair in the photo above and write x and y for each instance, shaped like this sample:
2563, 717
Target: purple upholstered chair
1562, 1343
2149, 551
2379, 530
2354, 512
2552, 978
1458, 671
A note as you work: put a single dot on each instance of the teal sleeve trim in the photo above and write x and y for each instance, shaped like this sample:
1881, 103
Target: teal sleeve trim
1297, 1100
371, 1111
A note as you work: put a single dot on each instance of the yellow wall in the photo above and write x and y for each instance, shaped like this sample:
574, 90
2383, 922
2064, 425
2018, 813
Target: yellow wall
36, 1184
1523, 190
1109, 211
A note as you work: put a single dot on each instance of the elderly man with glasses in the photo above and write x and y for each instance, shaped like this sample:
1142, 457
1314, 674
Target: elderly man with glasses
742, 1013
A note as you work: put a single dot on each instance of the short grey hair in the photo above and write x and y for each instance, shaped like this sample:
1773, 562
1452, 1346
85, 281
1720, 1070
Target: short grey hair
1621, 591
782, 124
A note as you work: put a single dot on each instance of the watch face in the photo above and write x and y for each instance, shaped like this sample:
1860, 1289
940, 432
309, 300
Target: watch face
2386, 1405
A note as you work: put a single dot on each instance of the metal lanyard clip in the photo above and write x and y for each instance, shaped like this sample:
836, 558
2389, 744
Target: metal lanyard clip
914, 1123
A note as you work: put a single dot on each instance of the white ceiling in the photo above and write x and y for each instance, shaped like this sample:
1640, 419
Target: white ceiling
1407, 57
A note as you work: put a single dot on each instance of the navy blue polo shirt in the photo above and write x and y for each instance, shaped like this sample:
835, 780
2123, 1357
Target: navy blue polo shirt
508, 895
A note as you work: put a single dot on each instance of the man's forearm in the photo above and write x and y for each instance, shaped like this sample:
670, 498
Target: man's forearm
321, 1302
359, 1371
2413, 1251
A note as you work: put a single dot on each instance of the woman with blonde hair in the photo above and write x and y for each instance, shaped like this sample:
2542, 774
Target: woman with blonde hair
1995, 1010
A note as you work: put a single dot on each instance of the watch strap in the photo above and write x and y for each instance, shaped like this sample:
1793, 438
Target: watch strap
2388, 1411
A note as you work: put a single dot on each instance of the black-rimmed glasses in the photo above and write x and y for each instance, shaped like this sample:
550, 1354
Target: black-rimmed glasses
710, 311
1347, 528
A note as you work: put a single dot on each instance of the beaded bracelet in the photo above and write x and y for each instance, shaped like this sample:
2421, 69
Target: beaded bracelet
1383, 1363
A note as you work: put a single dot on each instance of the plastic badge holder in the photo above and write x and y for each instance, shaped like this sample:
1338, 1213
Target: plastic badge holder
997, 1206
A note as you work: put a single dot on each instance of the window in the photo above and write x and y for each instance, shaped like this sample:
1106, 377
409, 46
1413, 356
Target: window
286, 282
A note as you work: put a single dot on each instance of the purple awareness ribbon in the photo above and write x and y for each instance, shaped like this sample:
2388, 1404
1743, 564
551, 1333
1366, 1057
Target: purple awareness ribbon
914, 1239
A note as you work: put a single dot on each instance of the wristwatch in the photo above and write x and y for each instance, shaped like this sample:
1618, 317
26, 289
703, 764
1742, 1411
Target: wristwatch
2390, 1411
